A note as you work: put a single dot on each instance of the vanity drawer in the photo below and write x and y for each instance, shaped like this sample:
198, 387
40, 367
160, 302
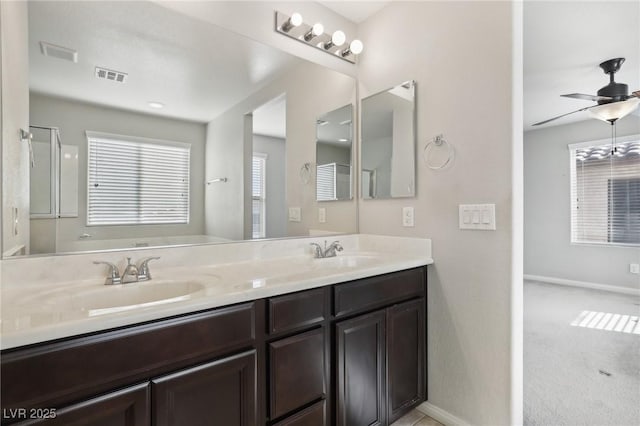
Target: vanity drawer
297, 310
316, 415
379, 291
56, 373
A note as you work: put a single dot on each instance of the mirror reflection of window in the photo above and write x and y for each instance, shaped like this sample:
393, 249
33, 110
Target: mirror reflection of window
334, 152
388, 143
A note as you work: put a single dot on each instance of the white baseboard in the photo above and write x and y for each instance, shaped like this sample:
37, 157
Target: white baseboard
583, 284
443, 416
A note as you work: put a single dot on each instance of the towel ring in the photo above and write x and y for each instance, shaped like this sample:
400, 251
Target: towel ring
438, 141
305, 173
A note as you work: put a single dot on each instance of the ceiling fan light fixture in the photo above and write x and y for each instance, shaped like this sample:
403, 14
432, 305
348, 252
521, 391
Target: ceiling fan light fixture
613, 111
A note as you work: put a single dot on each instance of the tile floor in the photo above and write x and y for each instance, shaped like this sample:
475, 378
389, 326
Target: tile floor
416, 418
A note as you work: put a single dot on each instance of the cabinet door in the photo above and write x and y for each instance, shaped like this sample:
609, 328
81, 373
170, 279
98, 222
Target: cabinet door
405, 357
297, 371
219, 393
126, 407
361, 369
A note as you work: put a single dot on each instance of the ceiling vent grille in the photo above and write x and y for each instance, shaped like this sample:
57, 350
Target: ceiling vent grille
112, 75
59, 52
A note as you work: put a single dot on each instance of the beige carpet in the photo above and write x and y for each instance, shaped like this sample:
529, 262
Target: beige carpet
581, 357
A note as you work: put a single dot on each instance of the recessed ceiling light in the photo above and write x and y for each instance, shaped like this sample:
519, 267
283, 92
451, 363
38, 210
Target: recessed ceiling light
343, 140
156, 105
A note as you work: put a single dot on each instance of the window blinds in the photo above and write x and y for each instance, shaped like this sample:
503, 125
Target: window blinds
605, 193
258, 194
326, 182
135, 181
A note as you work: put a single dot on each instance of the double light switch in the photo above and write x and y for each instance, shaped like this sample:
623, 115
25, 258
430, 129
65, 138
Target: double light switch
477, 216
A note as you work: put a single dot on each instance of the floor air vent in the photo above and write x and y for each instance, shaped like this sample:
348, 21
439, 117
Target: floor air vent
108, 74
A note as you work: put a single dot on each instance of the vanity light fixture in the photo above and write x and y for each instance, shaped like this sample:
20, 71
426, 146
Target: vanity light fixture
315, 31
294, 21
315, 36
337, 39
355, 48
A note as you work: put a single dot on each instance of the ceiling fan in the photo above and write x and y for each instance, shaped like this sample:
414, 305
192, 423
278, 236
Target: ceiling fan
614, 101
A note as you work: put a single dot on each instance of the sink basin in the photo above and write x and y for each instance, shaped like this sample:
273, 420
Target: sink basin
102, 300
347, 261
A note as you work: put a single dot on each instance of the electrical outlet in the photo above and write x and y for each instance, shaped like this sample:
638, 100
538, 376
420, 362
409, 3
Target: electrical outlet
294, 214
322, 215
634, 268
407, 217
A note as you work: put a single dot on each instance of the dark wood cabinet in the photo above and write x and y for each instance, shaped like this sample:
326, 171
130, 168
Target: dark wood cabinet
351, 354
406, 357
219, 393
297, 371
316, 415
126, 407
361, 368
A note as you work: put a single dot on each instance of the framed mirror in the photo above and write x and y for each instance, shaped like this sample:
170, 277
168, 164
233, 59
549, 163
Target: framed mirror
334, 154
389, 143
132, 88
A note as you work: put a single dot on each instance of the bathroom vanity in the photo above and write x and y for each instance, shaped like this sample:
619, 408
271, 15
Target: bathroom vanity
346, 354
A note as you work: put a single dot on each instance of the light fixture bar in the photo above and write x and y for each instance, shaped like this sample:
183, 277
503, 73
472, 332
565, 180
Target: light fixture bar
314, 35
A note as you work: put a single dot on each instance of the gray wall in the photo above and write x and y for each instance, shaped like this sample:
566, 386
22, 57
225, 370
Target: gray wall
276, 188
449, 47
229, 150
74, 118
547, 226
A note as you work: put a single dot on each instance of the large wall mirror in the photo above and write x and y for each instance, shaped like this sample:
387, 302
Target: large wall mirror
152, 128
334, 154
388, 143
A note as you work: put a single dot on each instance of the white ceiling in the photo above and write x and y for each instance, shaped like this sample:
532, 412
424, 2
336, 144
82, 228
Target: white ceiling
563, 44
196, 69
355, 11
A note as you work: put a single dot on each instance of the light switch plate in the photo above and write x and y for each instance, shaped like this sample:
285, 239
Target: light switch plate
294, 214
477, 216
322, 215
407, 217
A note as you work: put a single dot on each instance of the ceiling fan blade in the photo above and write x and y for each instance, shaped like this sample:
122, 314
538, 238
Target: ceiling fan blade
582, 96
560, 116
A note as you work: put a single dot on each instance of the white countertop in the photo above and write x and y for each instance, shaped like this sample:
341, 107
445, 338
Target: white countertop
42, 310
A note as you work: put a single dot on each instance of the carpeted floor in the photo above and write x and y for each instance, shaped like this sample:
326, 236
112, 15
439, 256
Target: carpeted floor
587, 373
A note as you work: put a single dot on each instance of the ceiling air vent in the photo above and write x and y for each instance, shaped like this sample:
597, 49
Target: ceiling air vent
108, 74
59, 52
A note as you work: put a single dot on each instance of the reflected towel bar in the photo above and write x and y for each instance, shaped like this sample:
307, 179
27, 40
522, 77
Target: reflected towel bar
209, 182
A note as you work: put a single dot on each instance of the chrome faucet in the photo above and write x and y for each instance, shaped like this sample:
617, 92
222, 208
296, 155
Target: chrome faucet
144, 273
114, 274
131, 273
330, 251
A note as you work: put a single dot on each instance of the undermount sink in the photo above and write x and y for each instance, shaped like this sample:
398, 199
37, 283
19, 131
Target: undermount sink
102, 300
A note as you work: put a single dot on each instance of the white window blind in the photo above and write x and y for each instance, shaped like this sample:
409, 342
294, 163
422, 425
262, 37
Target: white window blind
137, 181
605, 193
258, 192
326, 182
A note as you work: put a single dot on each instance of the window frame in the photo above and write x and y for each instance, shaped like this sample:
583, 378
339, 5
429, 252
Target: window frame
572, 148
89, 134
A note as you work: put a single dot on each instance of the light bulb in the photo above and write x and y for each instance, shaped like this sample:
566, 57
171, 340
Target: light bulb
315, 31
338, 38
294, 21
356, 47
